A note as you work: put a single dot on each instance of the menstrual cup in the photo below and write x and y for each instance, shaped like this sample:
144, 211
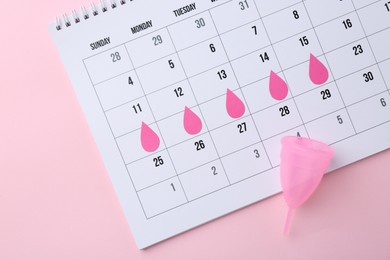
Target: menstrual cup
303, 163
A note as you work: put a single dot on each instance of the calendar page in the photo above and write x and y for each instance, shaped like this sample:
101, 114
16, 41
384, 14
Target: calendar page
188, 100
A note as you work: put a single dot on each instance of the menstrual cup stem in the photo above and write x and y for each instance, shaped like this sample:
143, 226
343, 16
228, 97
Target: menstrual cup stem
287, 224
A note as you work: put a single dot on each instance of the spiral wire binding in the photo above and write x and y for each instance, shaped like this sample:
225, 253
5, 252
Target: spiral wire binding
85, 13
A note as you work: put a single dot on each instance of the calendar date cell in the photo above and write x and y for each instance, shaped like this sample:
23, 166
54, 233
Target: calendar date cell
151, 170
375, 17
131, 148
119, 90
319, 102
204, 180
162, 197
255, 66
258, 96
203, 56
297, 49
267, 7
234, 14
246, 163
172, 128
129, 117
331, 128
213, 83
273, 145
192, 31
215, 112
255, 38
171, 100
154, 46
348, 26
160, 74
361, 85
277, 119
324, 11
357, 55
298, 79
193, 153
380, 43
108, 64
287, 22
235, 136
370, 112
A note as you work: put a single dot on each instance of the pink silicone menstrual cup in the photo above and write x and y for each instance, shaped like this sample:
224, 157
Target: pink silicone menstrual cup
303, 163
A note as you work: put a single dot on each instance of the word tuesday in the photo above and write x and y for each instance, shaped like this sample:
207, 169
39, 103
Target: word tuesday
185, 9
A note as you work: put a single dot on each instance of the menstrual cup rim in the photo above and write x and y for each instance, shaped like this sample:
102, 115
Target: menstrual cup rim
314, 145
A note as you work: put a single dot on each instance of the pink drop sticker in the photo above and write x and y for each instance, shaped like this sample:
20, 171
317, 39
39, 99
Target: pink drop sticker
277, 87
234, 106
192, 123
317, 71
149, 139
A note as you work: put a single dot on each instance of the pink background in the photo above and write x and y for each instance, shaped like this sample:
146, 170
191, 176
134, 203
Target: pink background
56, 201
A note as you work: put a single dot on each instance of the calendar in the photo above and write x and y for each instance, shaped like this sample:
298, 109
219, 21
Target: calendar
188, 100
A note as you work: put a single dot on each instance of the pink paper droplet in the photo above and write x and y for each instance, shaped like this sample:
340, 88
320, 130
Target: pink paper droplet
192, 123
317, 71
149, 139
234, 106
277, 87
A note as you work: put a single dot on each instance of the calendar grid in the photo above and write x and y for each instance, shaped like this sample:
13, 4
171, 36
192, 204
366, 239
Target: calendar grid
330, 69
304, 123
248, 84
197, 104
265, 139
369, 44
154, 31
280, 65
167, 150
239, 57
366, 130
116, 143
235, 76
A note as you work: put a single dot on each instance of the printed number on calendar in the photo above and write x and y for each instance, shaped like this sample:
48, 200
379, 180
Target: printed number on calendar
214, 169
222, 74
256, 152
199, 145
340, 119
326, 94
157, 40
347, 24
243, 5
383, 102
304, 41
368, 76
358, 49
158, 161
137, 108
212, 47
296, 14
264, 57
284, 111
200, 23
179, 92
115, 56
130, 81
241, 127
